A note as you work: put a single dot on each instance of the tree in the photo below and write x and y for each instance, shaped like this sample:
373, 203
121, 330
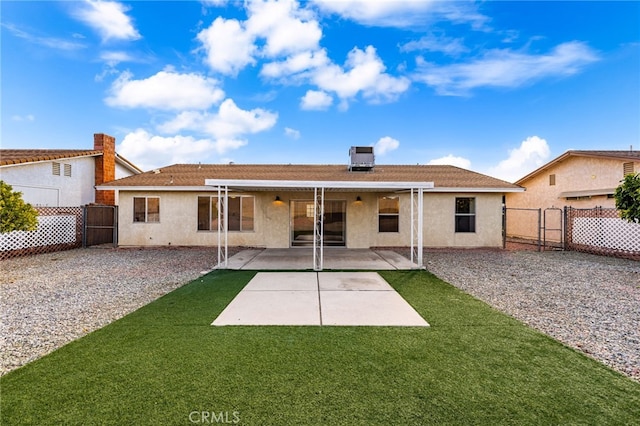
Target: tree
627, 197
15, 214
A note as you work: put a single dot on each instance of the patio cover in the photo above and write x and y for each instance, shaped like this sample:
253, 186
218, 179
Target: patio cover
416, 189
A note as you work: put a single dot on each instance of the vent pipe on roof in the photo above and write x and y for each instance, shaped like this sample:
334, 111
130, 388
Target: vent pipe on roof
362, 159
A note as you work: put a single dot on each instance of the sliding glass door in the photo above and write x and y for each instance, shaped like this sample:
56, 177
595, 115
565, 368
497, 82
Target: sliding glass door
302, 223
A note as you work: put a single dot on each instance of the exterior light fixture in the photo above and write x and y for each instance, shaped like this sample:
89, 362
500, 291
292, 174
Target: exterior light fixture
277, 198
358, 199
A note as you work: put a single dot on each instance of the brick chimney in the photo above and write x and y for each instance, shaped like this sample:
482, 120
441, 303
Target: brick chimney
105, 166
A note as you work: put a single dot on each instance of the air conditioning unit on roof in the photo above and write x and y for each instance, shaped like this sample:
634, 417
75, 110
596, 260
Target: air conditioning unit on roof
362, 159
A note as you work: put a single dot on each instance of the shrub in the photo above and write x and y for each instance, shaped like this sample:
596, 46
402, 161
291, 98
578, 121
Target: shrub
15, 214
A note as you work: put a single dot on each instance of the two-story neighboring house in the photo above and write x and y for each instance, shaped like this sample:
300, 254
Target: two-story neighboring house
580, 179
65, 177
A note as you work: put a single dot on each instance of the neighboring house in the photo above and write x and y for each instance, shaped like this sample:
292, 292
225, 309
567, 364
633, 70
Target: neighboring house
65, 177
580, 179
276, 206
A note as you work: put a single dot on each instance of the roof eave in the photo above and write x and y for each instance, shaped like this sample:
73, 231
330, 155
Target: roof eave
48, 160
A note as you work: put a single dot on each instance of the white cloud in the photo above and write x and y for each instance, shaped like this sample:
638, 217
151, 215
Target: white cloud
228, 45
386, 144
532, 153
108, 18
28, 117
291, 36
316, 100
166, 90
505, 68
436, 43
49, 42
228, 123
404, 13
286, 28
295, 64
231, 121
452, 160
113, 58
364, 73
149, 151
292, 133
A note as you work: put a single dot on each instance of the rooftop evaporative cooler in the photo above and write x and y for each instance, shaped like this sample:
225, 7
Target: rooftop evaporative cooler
362, 159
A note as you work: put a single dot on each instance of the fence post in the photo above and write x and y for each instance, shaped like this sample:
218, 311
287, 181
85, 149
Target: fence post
115, 226
84, 226
504, 226
539, 229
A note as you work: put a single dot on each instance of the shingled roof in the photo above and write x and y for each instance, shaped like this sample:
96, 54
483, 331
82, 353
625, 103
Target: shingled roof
19, 156
194, 175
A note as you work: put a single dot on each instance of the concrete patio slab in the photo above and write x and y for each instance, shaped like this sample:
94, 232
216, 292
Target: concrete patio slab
348, 281
242, 258
368, 308
272, 308
334, 258
319, 298
299, 281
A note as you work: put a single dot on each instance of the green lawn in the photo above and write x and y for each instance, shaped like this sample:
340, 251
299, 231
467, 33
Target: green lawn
165, 364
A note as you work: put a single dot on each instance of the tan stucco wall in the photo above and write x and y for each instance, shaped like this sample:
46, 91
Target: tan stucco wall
178, 221
573, 174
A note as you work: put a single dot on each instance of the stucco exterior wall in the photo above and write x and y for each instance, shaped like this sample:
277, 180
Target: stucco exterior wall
573, 174
272, 227
41, 188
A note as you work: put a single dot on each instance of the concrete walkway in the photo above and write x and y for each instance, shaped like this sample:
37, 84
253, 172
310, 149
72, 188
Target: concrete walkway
319, 298
334, 258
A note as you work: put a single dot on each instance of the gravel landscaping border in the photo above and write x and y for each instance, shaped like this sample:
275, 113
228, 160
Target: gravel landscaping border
49, 300
588, 302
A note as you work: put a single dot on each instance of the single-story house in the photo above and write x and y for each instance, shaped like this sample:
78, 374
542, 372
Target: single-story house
65, 177
360, 205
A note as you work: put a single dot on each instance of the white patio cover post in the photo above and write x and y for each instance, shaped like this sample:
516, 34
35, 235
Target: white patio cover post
417, 221
318, 228
223, 247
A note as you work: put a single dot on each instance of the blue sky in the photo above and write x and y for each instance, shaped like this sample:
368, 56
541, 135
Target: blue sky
497, 87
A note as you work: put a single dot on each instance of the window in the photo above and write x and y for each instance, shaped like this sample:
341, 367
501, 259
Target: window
627, 168
388, 214
146, 209
67, 170
465, 215
552, 180
240, 213
55, 169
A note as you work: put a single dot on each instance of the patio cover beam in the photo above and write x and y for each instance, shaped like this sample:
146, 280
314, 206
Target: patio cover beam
295, 184
319, 188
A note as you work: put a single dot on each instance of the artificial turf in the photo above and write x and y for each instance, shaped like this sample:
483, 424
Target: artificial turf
165, 364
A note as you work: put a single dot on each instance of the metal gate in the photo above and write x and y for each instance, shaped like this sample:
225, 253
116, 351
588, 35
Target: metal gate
553, 229
538, 229
100, 225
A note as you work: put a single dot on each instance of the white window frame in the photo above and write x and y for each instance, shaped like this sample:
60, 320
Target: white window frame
397, 215
146, 210
471, 214
210, 204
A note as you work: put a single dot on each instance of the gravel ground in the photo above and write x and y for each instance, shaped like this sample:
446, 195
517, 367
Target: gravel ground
588, 302
52, 299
